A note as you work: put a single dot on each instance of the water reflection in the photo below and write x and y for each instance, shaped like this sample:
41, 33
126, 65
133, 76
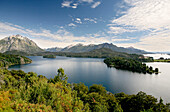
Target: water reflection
94, 71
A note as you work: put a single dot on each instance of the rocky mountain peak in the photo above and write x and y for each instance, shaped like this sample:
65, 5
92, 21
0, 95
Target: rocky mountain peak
19, 43
15, 37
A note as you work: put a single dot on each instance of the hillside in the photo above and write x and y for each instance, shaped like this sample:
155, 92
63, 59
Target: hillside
8, 60
98, 53
85, 48
15, 52
19, 43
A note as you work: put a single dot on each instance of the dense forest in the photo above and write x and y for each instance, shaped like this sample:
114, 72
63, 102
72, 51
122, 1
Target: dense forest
22, 91
7, 60
97, 53
100, 53
130, 64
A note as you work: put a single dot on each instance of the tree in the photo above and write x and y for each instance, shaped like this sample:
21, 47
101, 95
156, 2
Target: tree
150, 68
61, 76
98, 89
156, 70
81, 89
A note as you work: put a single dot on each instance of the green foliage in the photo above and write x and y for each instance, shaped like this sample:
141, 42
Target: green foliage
7, 60
36, 92
61, 77
129, 64
98, 89
140, 103
98, 53
81, 89
162, 60
22, 91
16, 52
97, 98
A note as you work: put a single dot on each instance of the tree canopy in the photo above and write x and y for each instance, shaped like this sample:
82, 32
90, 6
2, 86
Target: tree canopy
22, 91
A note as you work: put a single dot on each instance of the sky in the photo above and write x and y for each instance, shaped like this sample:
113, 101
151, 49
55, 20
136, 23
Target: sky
143, 24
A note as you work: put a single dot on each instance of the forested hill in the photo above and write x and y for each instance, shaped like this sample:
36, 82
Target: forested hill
24, 92
130, 65
98, 53
7, 60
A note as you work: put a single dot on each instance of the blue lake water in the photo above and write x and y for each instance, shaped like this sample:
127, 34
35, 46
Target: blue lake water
94, 71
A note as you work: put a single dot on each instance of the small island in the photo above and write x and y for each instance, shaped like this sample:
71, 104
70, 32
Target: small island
130, 65
162, 60
49, 56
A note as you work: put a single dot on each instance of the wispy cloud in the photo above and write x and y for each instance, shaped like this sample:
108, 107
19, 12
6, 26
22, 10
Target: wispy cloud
66, 4
119, 30
151, 16
10, 27
75, 3
89, 1
46, 38
91, 20
96, 4
72, 25
146, 14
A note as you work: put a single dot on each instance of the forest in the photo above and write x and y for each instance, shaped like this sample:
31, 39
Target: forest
97, 53
130, 65
20, 91
7, 60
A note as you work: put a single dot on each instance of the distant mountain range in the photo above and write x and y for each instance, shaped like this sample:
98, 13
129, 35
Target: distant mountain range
86, 48
19, 43
53, 49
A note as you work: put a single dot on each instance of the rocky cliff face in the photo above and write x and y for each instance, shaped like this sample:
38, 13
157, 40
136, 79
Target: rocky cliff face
19, 43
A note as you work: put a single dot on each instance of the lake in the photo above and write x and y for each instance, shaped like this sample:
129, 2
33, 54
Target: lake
94, 71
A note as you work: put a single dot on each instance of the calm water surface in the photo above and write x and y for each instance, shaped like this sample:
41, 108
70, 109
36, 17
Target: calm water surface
94, 71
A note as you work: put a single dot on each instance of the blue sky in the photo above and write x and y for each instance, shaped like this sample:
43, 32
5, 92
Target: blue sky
143, 24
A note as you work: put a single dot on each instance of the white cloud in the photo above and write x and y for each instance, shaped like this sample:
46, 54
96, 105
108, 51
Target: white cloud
89, 1
45, 43
146, 14
78, 20
118, 30
72, 25
10, 27
120, 40
151, 16
75, 3
91, 20
45, 38
66, 4
153, 42
96, 4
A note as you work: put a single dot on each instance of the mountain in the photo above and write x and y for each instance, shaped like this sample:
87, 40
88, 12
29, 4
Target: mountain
85, 48
98, 53
53, 49
19, 43
137, 50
